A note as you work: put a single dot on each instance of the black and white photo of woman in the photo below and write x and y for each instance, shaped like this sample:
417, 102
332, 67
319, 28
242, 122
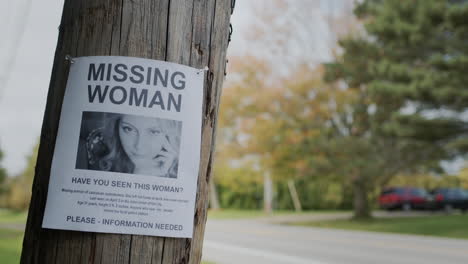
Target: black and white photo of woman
129, 144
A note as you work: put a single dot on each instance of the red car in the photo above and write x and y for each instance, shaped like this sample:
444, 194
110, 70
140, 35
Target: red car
405, 198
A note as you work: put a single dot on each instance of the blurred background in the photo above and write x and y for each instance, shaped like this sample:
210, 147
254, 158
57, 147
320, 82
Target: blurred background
335, 115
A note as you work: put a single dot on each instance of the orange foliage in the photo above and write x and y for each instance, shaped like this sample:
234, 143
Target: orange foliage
271, 118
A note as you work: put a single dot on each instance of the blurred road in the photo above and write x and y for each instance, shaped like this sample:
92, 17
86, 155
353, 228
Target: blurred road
258, 242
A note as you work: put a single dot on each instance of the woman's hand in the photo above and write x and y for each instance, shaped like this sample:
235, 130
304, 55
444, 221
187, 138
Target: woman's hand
166, 158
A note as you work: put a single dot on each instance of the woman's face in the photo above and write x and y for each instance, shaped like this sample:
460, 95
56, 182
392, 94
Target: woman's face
146, 145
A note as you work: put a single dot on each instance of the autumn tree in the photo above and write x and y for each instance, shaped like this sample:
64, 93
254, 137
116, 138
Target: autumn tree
236, 112
280, 127
281, 54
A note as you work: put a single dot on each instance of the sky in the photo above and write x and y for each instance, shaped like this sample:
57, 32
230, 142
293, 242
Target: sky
26, 59
25, 79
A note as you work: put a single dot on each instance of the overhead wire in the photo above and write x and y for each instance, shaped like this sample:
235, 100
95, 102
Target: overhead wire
19, 23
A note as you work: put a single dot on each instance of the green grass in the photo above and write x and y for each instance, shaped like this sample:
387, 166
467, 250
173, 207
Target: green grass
453, 226
249, 214
235, 214
10, 246
7, 216
11, 240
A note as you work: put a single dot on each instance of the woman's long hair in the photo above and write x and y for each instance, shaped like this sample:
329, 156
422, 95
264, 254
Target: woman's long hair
172, 130
116, 159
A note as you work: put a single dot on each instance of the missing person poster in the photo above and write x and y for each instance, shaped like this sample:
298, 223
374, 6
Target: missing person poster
128, 148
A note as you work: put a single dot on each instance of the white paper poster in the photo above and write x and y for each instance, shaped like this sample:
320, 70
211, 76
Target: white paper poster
128, 148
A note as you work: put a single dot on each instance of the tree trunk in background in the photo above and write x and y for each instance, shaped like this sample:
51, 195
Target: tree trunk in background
294, 196
267, 193
214, 201
189, 32
361, 200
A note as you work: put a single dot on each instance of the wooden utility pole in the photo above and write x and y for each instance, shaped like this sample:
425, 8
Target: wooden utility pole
190, 32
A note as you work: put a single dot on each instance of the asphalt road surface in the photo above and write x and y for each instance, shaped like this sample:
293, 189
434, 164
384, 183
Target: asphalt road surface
258, 242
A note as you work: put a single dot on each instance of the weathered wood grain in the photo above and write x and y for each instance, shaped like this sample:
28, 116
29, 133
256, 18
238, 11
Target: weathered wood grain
190, 32
179, 33
206, 39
